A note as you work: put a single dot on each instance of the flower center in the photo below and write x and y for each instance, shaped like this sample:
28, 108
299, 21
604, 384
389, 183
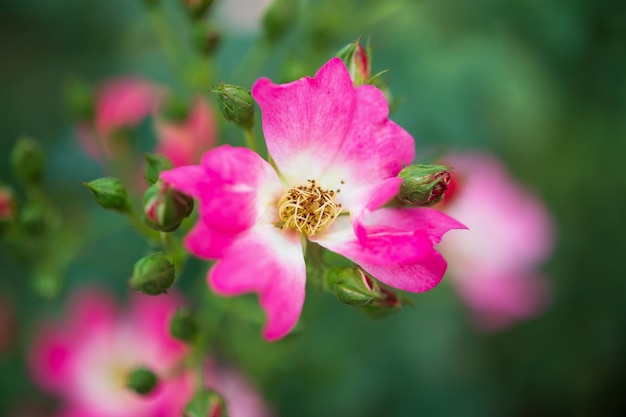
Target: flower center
308, 208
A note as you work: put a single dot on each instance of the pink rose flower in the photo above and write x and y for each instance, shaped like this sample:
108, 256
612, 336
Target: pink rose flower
85, 358
493, 265
337, 156
125, 102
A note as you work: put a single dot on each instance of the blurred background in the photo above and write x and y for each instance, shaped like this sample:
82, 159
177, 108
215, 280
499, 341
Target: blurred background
539, 84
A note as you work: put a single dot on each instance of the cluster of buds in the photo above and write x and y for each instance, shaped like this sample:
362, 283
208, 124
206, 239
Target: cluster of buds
424, 185
354, 287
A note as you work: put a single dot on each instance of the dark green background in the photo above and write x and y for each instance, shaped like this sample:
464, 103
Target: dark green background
539, 83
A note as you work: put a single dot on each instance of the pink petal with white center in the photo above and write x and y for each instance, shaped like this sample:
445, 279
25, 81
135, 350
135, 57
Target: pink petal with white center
270, 262
374, 148
394, 245
380, 246
369, 197
305, 122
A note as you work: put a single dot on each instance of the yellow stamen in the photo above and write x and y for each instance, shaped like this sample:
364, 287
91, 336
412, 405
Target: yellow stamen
308, 208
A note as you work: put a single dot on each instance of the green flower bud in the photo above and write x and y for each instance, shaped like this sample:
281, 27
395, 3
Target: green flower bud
423, 185
352, 286
80, 100
183, 325
236, 104
109, 194
153, 274
389, 302
357, 60
279, 18
206, 403
205, 38
142, 381
28, 161
155, 164
165, 208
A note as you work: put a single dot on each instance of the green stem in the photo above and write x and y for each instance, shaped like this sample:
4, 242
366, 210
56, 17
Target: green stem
250, 139
142, 228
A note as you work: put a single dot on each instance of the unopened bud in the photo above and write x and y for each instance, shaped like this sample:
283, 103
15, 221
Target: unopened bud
206, 403
236, 104
153, 274
7, 204
142, 381
109, 194
164, 208
183, 325
80, 99
205, 38
197, 8
352, 286
155, 164
389, 302
357, 60
28, 161
279, 18
423, 185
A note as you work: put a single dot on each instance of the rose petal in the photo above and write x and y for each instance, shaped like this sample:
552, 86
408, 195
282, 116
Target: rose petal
306, 121
270, 262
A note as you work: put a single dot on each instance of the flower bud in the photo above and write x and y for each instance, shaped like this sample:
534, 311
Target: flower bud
80, 99
109, 194
423, 185
206, 403
197, 8
164, 208
7, 204
352, 286
205, 38
183, 325
28, 161
153, 274
388, 302
357, 60
278, 18
155, 164
142, 381
236, 104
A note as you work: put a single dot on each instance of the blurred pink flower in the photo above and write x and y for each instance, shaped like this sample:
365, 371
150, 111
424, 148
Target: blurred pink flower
494, 264
241, 397
338, 156
85, 358
124, 102
7, 204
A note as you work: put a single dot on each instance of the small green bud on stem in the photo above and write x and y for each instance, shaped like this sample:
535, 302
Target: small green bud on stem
153, 274
183, 325
142, 381
205, 38
352, 286
236, 104
358, 62
423, 185
206, 403
28, 161
109, 194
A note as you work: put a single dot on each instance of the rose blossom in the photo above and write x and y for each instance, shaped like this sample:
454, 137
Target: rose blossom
494, 264
337, 156
125, 102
